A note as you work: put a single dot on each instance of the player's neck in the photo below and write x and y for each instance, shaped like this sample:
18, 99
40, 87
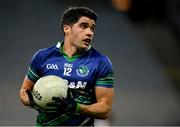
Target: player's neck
70, 50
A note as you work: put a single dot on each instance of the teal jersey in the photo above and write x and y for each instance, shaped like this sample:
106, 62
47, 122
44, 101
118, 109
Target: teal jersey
83, 72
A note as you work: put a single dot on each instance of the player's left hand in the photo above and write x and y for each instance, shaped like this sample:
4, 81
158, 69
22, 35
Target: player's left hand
65, 105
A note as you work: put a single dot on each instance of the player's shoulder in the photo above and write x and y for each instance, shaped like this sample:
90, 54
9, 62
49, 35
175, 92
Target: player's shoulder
45, 51
98, 55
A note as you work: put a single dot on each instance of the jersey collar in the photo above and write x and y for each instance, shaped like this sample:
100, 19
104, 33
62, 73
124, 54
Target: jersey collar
69, 59
61, 43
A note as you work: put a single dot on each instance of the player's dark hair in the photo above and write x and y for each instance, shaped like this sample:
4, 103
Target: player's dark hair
73, 14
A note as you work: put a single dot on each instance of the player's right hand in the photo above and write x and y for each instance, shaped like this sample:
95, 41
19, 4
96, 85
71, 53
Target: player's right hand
33, 105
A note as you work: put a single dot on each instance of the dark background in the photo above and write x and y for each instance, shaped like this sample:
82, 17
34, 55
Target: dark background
141, 37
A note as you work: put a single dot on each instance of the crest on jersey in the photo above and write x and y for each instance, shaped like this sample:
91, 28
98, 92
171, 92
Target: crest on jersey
82, 71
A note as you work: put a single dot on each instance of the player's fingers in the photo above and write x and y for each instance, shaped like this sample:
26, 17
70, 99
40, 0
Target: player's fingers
53, 104
58, 99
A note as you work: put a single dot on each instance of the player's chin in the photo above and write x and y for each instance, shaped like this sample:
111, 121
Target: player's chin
85, 45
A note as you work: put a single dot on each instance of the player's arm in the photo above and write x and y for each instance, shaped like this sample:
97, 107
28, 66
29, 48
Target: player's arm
27, 85
104, 92
102, 108
31, 77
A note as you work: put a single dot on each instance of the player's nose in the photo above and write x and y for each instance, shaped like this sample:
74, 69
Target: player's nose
90, 33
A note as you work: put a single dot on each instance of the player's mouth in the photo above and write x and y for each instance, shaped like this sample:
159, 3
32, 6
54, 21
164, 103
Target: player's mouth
87, 41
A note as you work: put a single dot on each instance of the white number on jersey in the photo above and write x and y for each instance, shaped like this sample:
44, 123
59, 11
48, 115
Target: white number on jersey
67, 71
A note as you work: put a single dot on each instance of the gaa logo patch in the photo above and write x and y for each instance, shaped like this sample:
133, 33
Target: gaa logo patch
82, 71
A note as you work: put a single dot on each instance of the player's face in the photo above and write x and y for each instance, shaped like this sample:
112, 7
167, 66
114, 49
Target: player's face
81, 33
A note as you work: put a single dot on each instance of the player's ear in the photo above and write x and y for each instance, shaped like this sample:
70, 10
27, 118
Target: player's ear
66, 28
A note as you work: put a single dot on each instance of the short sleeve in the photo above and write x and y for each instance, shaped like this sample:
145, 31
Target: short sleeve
105, 73
34, 68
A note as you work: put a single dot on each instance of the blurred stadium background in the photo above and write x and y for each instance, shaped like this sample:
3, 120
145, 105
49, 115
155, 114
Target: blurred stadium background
141, 37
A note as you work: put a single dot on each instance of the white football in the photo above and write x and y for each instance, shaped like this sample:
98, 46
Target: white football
47, 87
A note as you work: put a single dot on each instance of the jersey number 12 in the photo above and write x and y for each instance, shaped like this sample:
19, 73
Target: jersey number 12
67, 71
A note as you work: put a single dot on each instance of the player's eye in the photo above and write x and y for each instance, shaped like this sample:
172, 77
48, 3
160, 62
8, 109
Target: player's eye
92, 29
84, 25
